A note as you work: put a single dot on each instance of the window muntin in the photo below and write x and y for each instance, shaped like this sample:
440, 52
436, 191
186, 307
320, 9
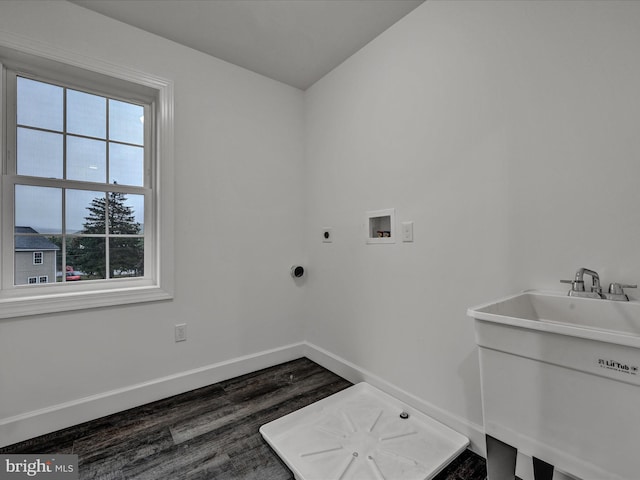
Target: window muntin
81, 178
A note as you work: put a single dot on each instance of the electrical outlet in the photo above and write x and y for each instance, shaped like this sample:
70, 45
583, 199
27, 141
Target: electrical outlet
181, 332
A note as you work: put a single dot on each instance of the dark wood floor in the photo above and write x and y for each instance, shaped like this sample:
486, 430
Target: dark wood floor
209, 433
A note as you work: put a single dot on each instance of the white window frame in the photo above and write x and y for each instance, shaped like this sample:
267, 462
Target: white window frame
46, 279
38, 256
157, 285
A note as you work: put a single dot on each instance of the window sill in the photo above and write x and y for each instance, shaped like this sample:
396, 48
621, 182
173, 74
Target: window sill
63, 302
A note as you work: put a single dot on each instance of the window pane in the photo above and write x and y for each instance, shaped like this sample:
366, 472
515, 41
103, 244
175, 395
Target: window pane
38, 208
86, 160
126, 214
27, 270
85, 212
126, 165
39, 153
126, 122
126, 257
39, 104
136, 204
86, 114
87, 257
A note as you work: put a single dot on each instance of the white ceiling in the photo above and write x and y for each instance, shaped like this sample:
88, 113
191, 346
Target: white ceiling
294, 41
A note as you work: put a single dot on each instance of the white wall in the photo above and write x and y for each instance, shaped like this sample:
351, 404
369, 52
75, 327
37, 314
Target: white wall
238, 211
508, 132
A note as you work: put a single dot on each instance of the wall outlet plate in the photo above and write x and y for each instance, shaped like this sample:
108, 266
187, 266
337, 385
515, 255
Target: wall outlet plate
181, 332
407, 231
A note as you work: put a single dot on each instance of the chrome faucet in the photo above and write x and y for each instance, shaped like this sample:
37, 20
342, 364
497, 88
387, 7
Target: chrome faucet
577, 284
615, 292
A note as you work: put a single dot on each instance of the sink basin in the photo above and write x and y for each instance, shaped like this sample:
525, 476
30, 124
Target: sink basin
560, 380
603, 320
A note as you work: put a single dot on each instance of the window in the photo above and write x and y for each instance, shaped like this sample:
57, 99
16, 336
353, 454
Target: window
37, 258
37, 280
86, 181
79, 176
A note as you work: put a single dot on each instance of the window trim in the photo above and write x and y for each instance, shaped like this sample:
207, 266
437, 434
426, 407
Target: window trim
20, 301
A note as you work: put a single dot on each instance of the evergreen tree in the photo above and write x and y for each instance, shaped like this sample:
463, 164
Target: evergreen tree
126, 254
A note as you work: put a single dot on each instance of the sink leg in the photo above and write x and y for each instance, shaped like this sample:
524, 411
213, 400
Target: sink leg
542, 470
501, 460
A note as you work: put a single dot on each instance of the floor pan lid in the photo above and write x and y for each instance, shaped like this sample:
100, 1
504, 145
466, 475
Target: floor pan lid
360, 433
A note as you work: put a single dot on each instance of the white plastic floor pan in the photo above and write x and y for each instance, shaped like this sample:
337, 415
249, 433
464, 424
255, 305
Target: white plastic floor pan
362, 433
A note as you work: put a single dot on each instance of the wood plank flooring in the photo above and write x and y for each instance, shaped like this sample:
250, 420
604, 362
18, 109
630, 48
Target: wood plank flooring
208, 433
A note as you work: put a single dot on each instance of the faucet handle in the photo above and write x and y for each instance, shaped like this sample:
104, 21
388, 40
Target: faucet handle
617, 288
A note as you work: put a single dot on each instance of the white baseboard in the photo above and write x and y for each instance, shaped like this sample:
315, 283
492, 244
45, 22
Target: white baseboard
39, 422
355, 374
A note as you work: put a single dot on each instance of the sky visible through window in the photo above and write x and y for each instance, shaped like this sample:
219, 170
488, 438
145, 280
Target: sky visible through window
72, 135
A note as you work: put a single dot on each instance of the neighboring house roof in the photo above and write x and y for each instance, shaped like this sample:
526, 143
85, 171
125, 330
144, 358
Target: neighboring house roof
32, 240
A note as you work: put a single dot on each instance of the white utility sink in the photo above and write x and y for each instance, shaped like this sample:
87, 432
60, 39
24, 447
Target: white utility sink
561, 380
596, 319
